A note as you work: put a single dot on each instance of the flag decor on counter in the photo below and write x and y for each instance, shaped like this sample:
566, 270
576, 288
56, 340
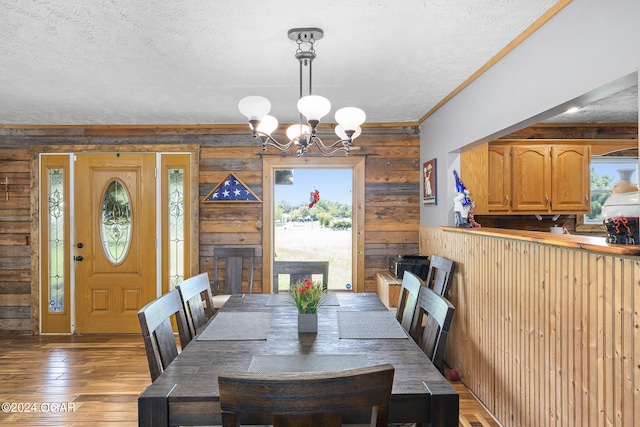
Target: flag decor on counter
231, 190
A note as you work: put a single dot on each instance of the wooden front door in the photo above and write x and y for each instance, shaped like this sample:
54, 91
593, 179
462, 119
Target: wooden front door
115, 229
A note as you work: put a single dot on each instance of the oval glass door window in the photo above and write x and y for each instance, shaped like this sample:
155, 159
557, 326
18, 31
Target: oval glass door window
115, 230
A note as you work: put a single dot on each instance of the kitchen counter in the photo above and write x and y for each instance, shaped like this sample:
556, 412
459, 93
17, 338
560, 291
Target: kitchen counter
596, 244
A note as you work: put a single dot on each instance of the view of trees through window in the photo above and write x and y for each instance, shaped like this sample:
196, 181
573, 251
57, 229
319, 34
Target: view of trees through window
604, 175
308, 229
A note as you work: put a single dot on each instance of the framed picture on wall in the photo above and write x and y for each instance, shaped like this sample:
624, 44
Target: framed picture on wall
429, 185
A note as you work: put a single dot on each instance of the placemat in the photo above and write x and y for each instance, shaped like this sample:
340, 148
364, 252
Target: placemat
369, 324
285, 299
306, 362
237, 326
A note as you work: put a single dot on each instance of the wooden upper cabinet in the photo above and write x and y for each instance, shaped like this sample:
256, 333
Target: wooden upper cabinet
499, 179
571, 178
531, 178
513, 178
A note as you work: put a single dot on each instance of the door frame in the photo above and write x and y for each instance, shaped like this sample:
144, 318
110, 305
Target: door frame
356, 164
37, 240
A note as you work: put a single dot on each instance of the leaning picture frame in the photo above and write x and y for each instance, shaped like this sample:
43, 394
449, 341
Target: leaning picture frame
429, 183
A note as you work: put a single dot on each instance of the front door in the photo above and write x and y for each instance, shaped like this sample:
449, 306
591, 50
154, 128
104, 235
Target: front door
115, 229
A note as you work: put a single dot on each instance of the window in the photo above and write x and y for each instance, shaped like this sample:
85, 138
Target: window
606, 172
56, 239
175, 233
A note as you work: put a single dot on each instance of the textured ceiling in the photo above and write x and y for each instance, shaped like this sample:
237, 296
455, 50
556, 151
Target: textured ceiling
190, 61
620, 107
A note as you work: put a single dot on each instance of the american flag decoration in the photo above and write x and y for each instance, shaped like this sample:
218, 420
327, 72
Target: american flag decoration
231, 190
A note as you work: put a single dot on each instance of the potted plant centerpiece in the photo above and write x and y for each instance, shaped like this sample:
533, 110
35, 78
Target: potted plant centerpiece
308, 297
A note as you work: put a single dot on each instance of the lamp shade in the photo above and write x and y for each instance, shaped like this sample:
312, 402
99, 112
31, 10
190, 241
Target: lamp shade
350, 118
254, 107
343, 135
267, 125
295, 131
314, 107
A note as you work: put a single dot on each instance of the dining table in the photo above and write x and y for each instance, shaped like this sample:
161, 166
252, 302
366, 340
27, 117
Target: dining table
259, 333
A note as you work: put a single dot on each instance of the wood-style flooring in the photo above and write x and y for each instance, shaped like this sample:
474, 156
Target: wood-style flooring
95, 381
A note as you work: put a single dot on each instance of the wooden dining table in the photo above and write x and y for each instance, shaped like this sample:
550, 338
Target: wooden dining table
259, 333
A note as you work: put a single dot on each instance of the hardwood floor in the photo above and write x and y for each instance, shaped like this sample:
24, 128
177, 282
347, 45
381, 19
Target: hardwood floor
95, 381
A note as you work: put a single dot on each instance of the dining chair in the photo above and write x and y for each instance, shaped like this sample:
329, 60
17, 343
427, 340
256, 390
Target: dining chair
439, 275
431, 325
299, 270
407, 299
157, 331
307, 398
234, 260
195, 293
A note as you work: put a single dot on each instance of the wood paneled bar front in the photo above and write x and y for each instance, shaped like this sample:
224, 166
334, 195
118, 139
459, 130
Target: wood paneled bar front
547, 327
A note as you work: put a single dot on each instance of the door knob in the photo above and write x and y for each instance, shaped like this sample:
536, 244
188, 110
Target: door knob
78, 258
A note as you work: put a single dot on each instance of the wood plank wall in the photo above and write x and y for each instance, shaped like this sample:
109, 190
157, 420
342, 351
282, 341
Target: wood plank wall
15, 249
543, 335
392, 175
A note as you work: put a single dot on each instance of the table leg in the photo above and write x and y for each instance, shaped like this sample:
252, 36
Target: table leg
445, 407
153, 406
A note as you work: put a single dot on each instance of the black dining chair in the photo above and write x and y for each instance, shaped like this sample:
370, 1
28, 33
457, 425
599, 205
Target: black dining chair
157, 331
431, 325
299, 270
440, 274
234, 260
195, 293
408, 298
307, 398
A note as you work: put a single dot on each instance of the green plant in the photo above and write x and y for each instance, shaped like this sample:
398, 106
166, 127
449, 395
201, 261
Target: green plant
307, 296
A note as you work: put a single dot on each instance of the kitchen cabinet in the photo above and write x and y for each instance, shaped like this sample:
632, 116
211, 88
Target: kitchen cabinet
515, 178
571, 178
499, 179
531, 178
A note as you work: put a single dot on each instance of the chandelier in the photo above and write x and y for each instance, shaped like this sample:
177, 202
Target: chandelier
311, 107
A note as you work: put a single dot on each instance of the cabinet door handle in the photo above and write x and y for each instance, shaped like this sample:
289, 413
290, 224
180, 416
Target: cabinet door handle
546, 200
506, 198
586, 198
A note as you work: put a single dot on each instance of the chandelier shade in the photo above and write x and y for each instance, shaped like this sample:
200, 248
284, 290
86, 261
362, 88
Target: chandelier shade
267, 125
350, 118
296, 131
254, 107
302, 136
314, 107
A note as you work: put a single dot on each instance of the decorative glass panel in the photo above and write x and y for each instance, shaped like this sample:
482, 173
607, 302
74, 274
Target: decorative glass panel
115, 229
56, 241
176, 227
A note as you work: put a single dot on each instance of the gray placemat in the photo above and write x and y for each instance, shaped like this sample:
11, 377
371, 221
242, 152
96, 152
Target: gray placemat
285, 299
369, 324
306, 362
237, 326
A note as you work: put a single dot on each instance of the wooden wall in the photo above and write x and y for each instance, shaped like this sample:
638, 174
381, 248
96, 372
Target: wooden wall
544, 335
392, 216
15, 249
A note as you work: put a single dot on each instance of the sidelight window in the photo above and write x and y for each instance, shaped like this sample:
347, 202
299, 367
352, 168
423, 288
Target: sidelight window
56, 239
175, 234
